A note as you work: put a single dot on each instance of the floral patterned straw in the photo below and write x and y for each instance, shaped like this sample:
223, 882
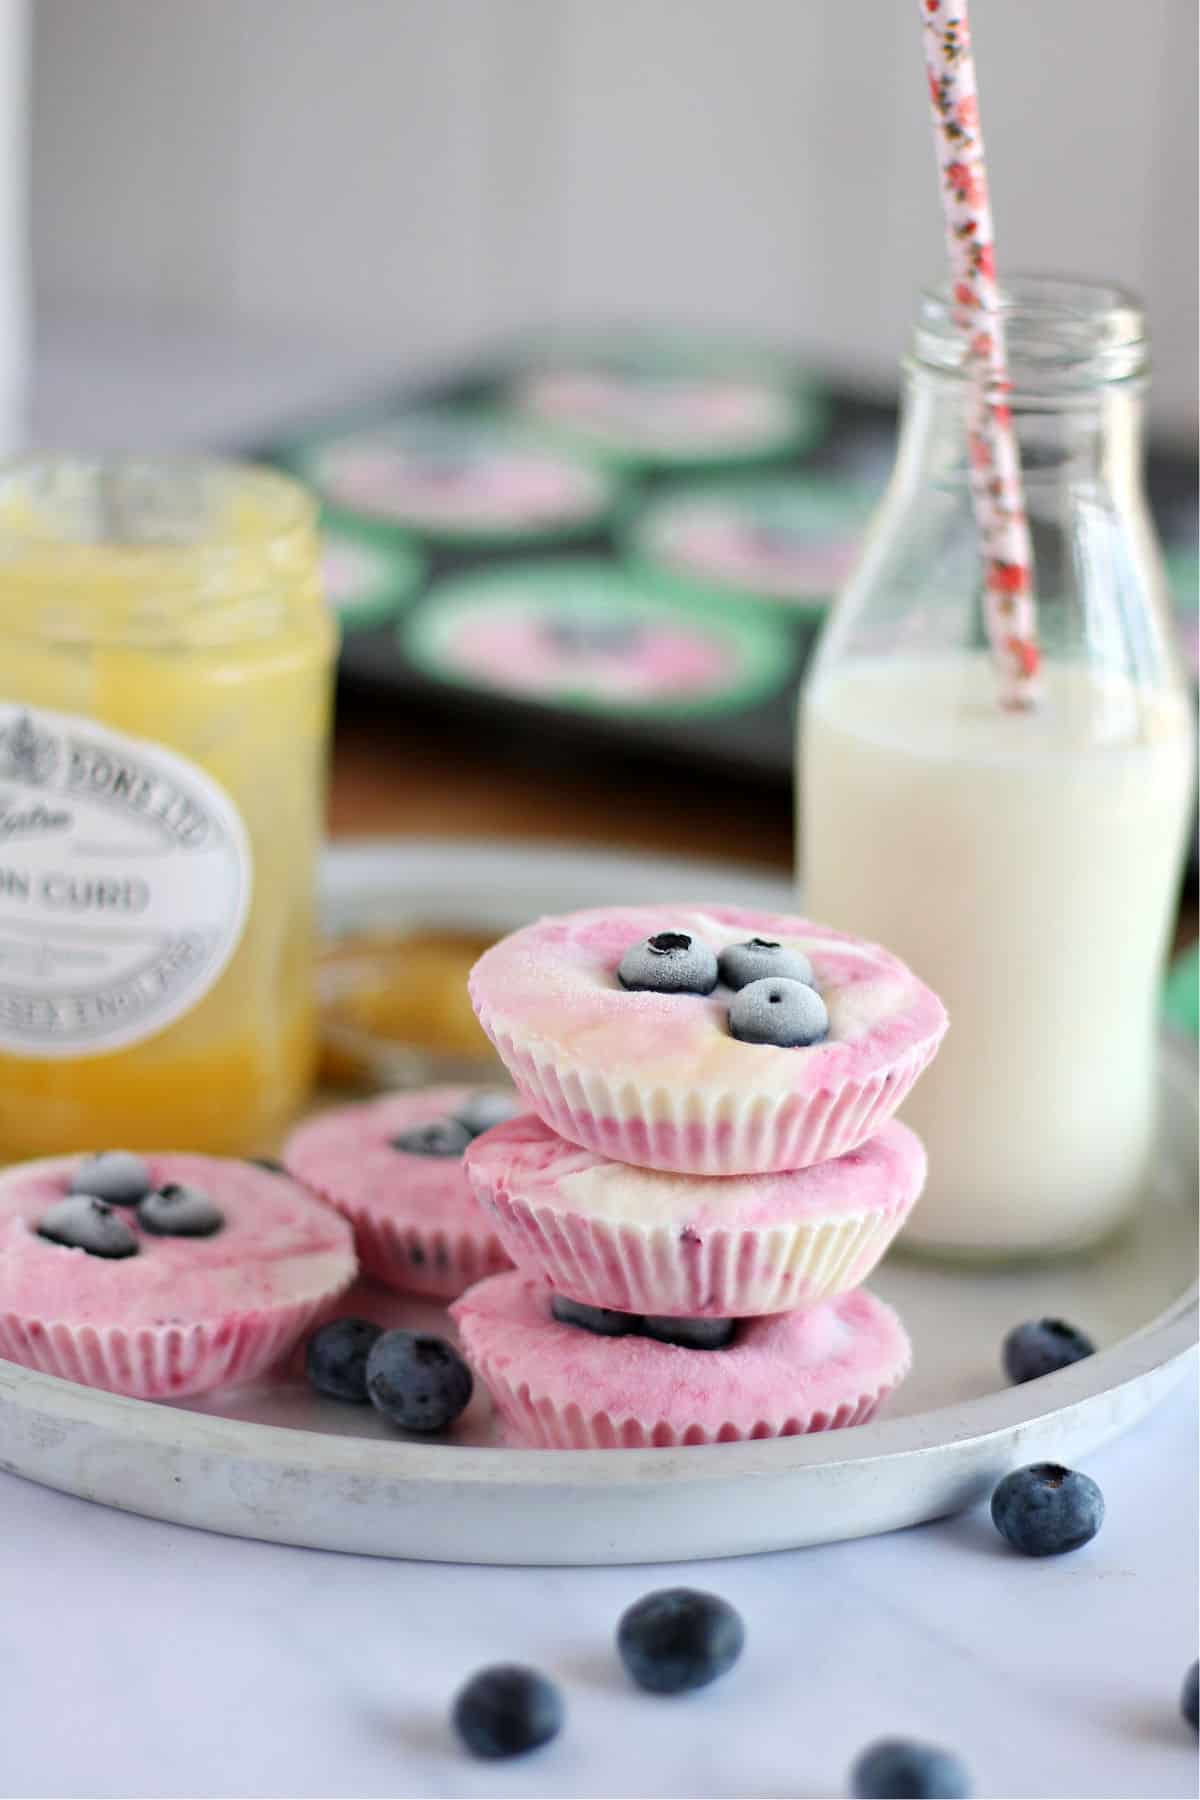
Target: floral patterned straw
991, 441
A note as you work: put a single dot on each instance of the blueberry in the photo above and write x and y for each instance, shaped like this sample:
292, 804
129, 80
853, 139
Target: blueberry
759, 958
417, 1381
271, 1164
177, 1211
335, 1358
898, 1769
82, 1222
114, 1175
1044, 1510
443, 1137
677, 1639
690, 1334
507, 1710
583, 634
670, 962
778, 1011
1189, 1699
1042, 1345
600, 1319
490, 1106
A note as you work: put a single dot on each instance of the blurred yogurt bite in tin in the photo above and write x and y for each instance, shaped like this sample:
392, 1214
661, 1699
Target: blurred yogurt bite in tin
368, 580
639, 396
583, 635
456, 477
790, 538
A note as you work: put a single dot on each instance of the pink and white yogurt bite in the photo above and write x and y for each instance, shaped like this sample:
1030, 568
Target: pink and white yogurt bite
394, 1167
561, 1386
694, 1246
705, 1040
163, 1275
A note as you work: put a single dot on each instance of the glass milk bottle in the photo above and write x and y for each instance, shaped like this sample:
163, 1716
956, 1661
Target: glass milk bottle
1027, 864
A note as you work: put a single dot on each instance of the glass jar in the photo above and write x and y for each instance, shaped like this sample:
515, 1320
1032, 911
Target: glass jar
165, 683
1026, 864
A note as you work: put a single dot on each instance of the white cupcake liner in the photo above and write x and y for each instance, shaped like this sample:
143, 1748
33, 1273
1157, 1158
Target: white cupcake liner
698, 1132
161, 1362
536, 1421
428, 1260
722, 1273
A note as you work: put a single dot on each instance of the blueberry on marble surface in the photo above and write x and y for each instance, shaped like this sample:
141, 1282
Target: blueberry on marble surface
900, 1769
677, 1639
760, 958
490, 1106
602, 1320
1047, 1510
507, 1710
1189, 1698
787, 1014
670, 962
117, 1176
418, 1381
175, 1210
335, 1358
690, 1334
82, 1222
441, 1137
1041, 1346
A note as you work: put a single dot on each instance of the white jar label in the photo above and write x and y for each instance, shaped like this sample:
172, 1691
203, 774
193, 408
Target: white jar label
125, 879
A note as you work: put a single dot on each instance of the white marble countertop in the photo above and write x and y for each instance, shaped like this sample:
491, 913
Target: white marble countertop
145, 1659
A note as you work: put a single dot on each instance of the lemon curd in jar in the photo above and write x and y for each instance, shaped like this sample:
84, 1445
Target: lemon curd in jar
165, 678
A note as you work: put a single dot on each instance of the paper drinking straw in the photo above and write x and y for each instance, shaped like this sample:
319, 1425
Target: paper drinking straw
995, 467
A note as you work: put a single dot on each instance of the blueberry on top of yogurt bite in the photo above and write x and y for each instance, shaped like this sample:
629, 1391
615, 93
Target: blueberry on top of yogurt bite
670, 962
605, 1321
788, 1014
487, 1107
441, 1137
116, 1176
83, 1222
174, 1210
758, 958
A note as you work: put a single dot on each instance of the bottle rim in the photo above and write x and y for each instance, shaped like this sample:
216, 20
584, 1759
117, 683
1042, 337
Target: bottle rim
1060, 332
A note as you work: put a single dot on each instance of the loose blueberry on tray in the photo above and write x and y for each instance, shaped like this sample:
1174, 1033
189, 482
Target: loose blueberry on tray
1047, 1510
789, 1014
116, 1176
418, 1381
899, 1769
677, 1639
760, 958
670, 962
507, 1710
335, 1359
1041, 1346
83, 1222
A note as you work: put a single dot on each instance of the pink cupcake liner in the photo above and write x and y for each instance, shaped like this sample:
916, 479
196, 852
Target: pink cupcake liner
644, 1241
719, 1132
425, 1260
160, 1362
558, 1387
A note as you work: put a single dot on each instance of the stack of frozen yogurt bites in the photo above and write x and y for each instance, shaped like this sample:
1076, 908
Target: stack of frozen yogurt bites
708, 1171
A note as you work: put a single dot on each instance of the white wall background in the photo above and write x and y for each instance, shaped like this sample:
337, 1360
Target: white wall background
408, 175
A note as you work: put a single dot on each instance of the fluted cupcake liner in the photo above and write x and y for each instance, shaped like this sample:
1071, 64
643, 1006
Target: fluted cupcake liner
160, 1362
700, 1132
427, 1260
737, 1272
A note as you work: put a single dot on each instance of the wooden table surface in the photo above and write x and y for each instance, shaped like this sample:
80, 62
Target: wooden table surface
398, 774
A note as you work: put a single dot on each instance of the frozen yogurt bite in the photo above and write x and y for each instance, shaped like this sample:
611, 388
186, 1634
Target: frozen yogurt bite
705, 1040
159, 1276
647, 1241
